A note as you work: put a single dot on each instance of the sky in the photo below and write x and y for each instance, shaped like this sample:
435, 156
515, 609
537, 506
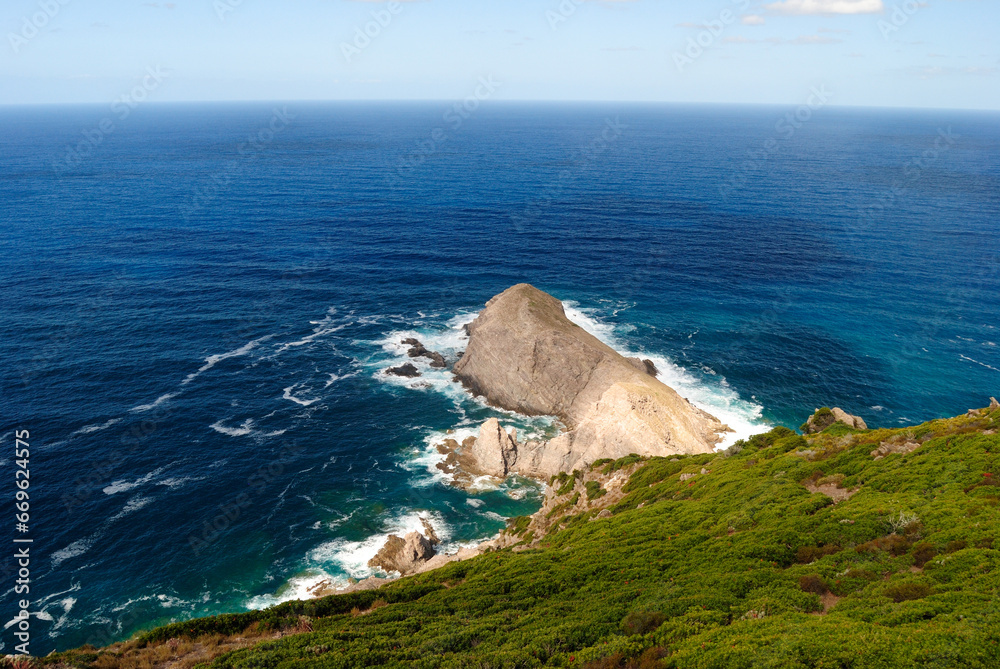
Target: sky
882, 53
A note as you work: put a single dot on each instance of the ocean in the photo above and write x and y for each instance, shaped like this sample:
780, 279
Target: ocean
199, 301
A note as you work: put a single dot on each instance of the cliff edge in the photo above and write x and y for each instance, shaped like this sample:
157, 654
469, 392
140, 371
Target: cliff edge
525, 355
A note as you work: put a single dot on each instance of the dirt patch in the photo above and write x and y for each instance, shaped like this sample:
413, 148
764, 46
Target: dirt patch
829, 600
831, 490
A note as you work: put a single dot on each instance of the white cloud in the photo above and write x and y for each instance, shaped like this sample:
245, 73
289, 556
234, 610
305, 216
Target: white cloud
805, 7
752, 20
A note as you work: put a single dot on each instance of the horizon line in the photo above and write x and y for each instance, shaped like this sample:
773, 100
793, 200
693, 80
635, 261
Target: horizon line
538, 101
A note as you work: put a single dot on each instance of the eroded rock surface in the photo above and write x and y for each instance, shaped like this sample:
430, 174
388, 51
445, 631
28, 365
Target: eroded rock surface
403, 554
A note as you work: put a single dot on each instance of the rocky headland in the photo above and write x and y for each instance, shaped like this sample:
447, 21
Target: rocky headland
526, 356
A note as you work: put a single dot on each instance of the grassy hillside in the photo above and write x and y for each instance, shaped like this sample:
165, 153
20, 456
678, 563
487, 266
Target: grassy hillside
788, 551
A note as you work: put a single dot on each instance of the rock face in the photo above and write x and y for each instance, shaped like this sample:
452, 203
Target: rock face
824, 418
404, 555
994, 404
493, 453
524, 355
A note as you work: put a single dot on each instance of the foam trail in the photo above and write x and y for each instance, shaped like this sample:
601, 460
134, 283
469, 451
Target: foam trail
979, 363
298, 400
124, 486
212, 360
90, 429
159, 400
348, 557
241, 431
323, 328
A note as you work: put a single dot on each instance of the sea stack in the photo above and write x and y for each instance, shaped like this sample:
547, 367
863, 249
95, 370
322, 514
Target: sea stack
525, 355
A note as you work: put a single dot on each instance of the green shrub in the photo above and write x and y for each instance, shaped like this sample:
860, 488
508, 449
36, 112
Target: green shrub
595, 491
813, 583
721, 562
642, 622
809, 554
904, 592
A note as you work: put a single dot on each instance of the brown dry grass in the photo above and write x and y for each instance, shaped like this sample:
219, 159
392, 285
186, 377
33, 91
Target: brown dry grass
179, 653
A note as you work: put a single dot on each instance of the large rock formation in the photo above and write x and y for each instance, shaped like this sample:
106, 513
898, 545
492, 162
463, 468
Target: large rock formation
525, 355
404, 555
493, 453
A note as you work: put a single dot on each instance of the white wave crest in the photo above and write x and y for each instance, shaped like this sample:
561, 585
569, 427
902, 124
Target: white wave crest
90, 429
298, 400
212, 360
124, 486
243, 430
159, 400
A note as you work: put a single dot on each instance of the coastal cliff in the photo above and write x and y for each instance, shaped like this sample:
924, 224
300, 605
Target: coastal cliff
525, 355
831, 548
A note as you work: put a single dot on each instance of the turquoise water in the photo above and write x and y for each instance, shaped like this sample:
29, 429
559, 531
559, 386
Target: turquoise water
196, 315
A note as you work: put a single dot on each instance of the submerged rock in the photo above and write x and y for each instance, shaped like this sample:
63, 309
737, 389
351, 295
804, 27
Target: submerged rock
418, 350
407, 371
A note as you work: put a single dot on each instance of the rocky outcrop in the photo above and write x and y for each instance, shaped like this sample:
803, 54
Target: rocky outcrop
407, 371
404, 555
895, 446
994, 404
824, 418
417, 350
493, 453
525, 355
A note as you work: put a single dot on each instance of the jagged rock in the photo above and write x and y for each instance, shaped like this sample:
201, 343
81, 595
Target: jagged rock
493, 453
429, 532
408, 371
644, 365
326, 587
994, 404
824, 418
524, 355
417, 350
404, 555
890, 447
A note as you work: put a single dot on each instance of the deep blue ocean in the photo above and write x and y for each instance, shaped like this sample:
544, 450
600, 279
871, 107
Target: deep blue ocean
198, 301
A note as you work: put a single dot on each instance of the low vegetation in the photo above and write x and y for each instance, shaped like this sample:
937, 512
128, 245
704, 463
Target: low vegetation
737, 566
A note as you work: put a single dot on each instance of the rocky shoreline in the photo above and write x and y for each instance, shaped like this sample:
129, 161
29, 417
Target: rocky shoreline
524, 355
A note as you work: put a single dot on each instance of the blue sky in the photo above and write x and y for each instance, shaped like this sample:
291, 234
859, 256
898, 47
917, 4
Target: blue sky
897, 53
